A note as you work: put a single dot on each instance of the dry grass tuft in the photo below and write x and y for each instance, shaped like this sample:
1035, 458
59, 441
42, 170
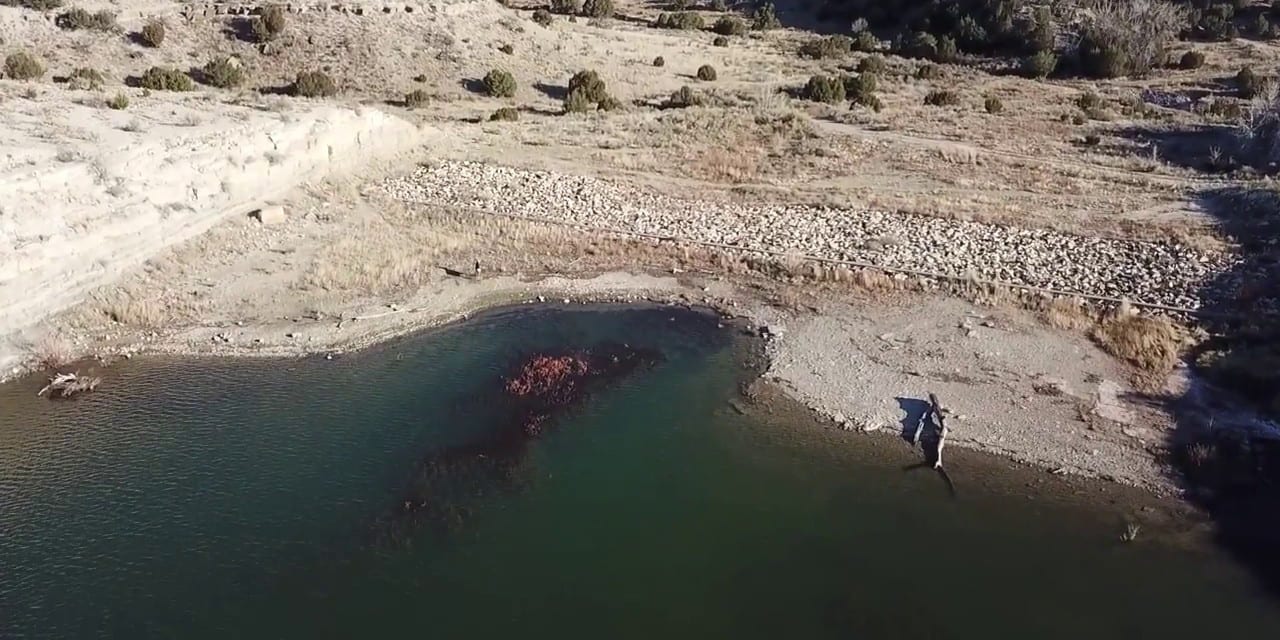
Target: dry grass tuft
1069, 314
872, 280
52, 351
723, 165
1151, 343
135, 312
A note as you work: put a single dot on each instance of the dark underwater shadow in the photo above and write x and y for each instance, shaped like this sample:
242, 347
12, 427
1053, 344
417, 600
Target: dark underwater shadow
451, 483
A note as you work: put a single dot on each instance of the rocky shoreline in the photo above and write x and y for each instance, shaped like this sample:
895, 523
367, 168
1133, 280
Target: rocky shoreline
1167, 274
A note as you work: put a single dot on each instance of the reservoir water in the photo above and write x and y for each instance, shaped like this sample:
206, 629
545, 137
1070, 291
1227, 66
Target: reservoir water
222, 498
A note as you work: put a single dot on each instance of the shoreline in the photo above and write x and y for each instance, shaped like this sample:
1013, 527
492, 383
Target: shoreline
805, 352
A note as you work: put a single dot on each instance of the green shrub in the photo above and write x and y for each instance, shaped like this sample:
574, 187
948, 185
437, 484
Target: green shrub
80, 19
598, 8
706, 73
921, 45
764, 18
680, 5
505, 114
684, 97
225, 72
1128, 38
971, 34
152, 33
828, 47
1043, 34
566, 7
34, 5
720, 41
942, 98
865, 41
824, 89
929, 72
416, 98
719, 5
1191, 60
861, 84
1039, 64
946, 50
273, 19
609, 103
1262, 27
1090, 102
1092, 140
1248, 83
542, 17
872, 64
1215, 24
85, 79
23, 66
730, 26
1225, 110
314, 84
861, 90
499, 84
166, 79
589, 84
576, 101
685, 20
993, 105
659, 62
118, 102
1100, 61
870, 101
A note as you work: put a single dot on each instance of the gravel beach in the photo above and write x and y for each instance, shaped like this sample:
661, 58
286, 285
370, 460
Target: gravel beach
1146, 272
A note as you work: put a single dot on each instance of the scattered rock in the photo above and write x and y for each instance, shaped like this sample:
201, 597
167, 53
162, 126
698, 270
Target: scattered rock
273, 214
1154, 272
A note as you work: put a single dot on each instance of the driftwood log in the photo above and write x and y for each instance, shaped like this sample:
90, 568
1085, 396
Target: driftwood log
931, 434
65, 385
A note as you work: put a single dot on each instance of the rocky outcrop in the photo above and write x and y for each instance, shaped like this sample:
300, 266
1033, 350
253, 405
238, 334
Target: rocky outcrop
106, 196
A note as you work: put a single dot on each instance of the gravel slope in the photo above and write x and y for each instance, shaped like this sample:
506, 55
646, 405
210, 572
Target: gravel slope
1156, 273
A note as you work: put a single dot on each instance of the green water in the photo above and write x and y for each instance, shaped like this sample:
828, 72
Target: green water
240, 499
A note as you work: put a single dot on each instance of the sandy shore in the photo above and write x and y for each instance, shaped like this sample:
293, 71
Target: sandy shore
1014, 387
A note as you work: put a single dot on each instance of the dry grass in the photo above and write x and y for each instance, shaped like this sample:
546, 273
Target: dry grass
136, 312
1069, 314
52, 351
1151, 343
724, 165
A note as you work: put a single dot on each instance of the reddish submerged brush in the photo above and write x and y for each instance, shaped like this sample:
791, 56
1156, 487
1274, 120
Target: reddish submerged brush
539, 389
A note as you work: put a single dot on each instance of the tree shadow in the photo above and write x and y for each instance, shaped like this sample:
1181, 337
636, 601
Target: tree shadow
539, 110
1225, 448
553, 91
474, 85
135, 37
1209, 148
276, 90
828, 18
240, 29
914, 410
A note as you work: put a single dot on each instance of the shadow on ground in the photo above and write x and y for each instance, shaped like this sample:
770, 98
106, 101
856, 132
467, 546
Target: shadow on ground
1225, 450
1210, 148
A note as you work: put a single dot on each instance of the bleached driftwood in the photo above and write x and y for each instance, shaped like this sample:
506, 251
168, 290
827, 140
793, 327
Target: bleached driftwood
931, 434
939, 427
65, 385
